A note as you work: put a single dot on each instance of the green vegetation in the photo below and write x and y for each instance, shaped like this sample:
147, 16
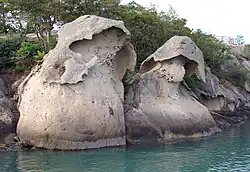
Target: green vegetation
237, 75
149, 28
8, 47
27, 55
239, 40
247, 49
28, 49
213, 50
193, 82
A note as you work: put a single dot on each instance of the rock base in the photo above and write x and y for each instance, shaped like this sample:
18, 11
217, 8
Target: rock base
70, 145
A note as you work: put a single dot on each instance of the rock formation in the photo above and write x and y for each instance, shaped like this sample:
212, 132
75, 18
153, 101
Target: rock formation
8, 113
159, 108
241, 56
229, 103
74, 100
221, 97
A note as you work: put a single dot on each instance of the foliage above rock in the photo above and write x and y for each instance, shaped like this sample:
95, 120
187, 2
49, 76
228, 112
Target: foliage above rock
149, 28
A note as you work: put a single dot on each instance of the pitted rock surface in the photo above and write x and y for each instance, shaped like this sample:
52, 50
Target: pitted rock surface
159, 108
74, 100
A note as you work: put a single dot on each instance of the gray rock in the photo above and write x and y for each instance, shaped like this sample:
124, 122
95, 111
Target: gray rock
222, 97
8, 112
178, 46
237, 63
3, 88
15, 85
247, 86
10, 139
74, 100
231, 62
159, 108
241, 51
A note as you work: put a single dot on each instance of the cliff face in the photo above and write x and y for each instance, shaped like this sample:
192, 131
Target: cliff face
228, 99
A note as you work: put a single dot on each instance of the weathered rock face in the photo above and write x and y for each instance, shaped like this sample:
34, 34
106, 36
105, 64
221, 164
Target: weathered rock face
159, 108
220, 97
8, 113
241, 57
241, 51
74, 100
223, 98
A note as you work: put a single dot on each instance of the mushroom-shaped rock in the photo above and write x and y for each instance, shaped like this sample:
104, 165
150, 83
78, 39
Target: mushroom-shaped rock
175, 47
74, 99
158, 106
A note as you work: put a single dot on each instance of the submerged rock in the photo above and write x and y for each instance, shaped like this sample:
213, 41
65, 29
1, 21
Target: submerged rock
74, 100
159, 108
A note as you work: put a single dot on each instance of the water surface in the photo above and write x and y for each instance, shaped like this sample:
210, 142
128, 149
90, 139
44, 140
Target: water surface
226, 151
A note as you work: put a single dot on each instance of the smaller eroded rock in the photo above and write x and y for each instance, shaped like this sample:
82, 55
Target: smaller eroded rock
159, 108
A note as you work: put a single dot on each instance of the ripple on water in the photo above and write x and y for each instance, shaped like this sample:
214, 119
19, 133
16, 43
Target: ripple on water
224, 152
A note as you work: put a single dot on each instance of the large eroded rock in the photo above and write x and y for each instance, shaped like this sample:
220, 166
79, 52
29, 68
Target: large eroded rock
159, 108
74, 100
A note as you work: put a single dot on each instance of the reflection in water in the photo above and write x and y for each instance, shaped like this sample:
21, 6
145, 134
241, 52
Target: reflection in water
227, 151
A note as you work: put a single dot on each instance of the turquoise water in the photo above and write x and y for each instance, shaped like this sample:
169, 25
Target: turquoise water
227, 151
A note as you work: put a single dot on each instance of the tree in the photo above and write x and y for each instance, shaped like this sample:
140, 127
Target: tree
43, 14
40, 15
72, 9
150, 29
239, 40
4, 16
214, 51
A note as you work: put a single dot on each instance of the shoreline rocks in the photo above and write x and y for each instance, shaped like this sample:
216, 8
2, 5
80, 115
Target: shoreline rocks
75, 99
8, 112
